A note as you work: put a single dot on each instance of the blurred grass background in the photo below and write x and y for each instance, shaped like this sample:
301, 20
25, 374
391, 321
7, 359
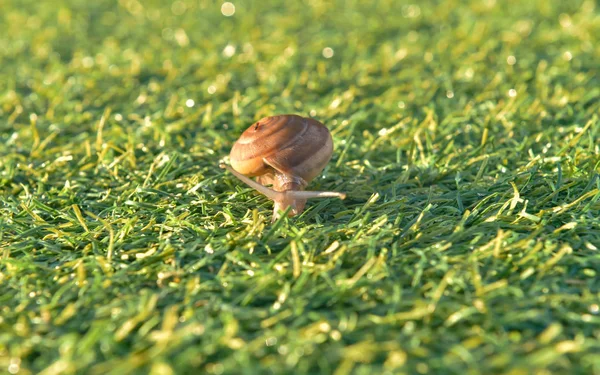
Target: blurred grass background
467, 139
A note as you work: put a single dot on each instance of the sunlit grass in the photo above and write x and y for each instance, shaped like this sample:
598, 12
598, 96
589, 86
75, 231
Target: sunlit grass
466, 137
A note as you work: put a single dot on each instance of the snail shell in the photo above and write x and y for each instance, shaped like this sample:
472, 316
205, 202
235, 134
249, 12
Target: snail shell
289, 144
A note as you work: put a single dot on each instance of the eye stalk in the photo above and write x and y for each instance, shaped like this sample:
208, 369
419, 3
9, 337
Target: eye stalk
287, 152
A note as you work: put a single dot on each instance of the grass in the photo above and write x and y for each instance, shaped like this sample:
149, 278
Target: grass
466, 136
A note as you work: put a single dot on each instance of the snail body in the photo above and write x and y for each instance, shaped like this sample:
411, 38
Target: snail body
287, 152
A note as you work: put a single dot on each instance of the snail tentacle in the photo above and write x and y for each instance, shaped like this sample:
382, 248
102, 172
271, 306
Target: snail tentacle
278, 195
269, 193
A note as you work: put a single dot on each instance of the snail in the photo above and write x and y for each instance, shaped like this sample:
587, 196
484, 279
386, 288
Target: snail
287, 152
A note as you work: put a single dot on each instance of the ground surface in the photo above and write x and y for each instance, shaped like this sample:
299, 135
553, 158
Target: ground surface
466, 136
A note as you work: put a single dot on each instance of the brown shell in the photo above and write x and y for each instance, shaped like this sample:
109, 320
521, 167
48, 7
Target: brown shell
289, 144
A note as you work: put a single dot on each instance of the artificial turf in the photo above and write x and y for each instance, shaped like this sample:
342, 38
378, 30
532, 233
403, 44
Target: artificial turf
466, 136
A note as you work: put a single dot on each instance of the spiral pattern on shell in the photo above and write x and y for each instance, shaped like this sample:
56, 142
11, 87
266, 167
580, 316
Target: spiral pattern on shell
289, 144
